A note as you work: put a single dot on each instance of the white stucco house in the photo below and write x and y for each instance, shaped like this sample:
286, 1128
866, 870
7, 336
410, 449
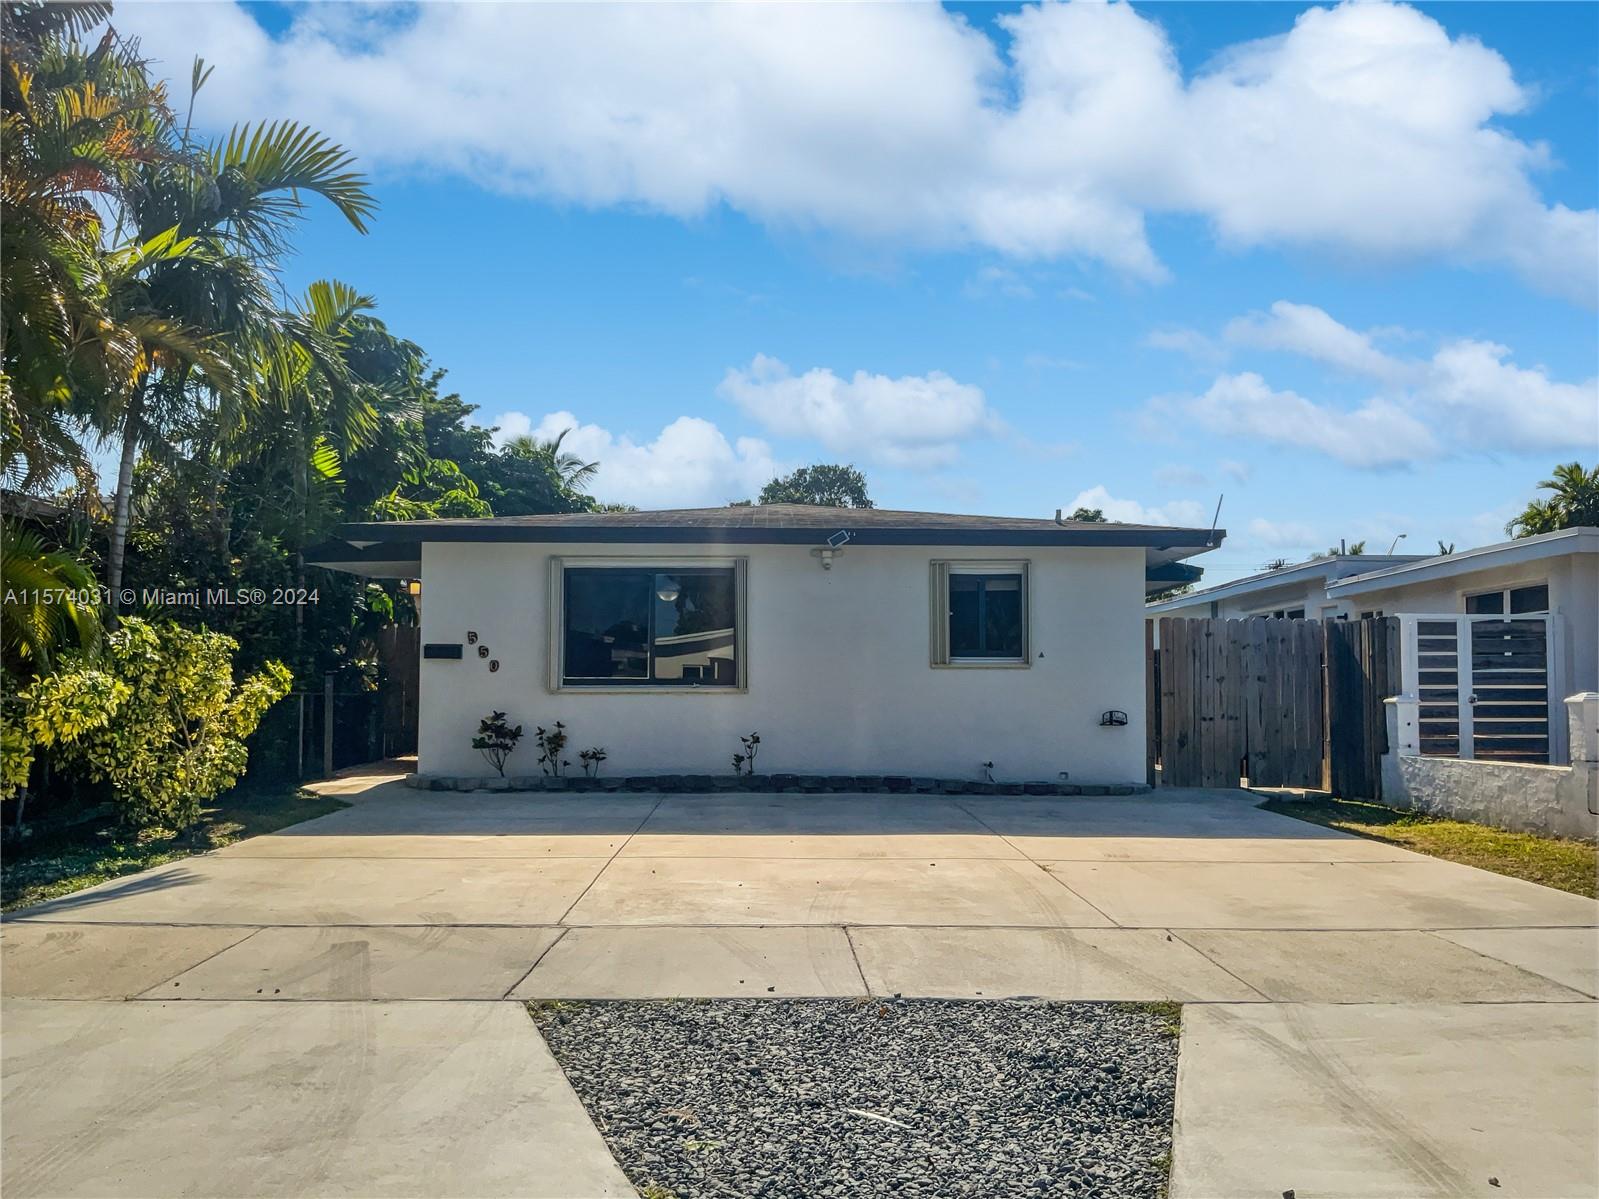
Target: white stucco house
1539, 596
853, 640
1299, 591
1494, 639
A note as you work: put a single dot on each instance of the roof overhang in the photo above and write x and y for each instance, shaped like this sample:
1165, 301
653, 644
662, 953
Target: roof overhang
1193, 541
1290, 577
394, 549
383, 560
1487, 557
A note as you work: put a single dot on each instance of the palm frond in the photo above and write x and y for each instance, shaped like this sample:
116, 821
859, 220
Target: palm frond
286, 156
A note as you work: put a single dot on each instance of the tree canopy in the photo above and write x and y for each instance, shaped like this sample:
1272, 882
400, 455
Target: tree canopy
1573, 501
141, 309
827, 484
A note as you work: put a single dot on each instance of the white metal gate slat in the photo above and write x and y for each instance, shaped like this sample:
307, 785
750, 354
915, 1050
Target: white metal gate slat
1482, 684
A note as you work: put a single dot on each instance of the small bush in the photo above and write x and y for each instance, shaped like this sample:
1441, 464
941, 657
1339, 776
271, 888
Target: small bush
591, 759
174, 722
496, 739
744, 763
552, 742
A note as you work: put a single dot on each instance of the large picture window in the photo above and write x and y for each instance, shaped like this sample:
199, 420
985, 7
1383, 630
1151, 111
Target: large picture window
980, 614
646, 627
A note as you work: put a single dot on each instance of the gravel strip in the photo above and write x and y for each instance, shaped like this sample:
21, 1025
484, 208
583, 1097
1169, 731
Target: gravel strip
803, 1099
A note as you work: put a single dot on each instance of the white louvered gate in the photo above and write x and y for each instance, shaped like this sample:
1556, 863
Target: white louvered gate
1482, 685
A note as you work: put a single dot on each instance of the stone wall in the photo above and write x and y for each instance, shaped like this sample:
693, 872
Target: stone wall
1561, 801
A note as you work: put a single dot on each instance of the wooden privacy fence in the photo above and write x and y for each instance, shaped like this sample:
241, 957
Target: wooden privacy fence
1283, 703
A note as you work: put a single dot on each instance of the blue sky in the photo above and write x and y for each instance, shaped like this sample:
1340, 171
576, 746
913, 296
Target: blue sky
1338, 264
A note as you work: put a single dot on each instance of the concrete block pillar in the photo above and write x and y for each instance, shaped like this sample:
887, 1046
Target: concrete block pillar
1582, 719
1404, 725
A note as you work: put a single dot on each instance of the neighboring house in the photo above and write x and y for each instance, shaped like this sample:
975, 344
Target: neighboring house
1297, 592
1547, 590
853, 640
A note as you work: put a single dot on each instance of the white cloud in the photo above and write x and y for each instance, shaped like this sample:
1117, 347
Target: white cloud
1239, 471
914, 420
1467, 397
1281, 534
690, 462
998, 281
1191, 342
1308, 331
1366, 130
513, 424
1182, 513
1180, 476
1377, 433
1494, 404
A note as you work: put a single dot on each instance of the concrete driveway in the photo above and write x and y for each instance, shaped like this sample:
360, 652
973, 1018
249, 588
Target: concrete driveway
1362, 1021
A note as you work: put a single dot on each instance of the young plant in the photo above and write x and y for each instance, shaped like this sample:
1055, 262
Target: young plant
551, 742
591, 759
744, 763
495, 739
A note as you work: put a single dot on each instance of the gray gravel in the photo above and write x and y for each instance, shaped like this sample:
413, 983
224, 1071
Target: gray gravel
802, 1099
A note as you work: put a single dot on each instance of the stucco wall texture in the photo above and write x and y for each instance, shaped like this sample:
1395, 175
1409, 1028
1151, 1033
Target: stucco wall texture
838, 667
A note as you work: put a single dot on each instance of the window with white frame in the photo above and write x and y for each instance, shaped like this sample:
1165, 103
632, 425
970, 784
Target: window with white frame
1523, 599
979, 614
647, 625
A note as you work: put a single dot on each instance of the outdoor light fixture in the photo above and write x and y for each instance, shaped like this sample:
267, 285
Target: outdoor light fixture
835, 545
413, 587
667, 592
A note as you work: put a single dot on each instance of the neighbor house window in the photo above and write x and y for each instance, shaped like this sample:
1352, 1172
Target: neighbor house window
646, 626
1534, 597
979, 614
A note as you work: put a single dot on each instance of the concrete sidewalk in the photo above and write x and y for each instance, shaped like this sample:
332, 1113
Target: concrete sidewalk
1187, 895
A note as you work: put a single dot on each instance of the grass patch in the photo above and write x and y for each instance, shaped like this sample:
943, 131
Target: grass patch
1164, 1009
1566, 865
48, 866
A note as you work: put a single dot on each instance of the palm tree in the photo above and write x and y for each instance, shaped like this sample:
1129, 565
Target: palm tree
74, 123
232, 206
1574, 502
51, 602
569, 470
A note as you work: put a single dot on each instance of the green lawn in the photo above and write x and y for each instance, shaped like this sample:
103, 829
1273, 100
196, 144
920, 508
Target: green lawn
47, 866
1555, 862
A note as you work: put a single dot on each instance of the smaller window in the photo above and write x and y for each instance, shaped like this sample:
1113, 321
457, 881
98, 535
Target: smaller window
1521, 601
1530, 599
979, 613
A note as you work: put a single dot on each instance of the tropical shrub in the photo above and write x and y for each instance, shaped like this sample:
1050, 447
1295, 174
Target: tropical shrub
176, 738
55, 711
552, 744
591, 759
744, 763
496, 739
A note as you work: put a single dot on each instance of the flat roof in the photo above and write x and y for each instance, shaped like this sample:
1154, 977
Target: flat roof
1320, 566
393, 549
1582, 539
783, 524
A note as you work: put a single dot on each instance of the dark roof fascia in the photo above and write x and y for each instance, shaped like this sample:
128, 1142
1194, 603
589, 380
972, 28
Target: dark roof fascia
704, 535
343, 552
